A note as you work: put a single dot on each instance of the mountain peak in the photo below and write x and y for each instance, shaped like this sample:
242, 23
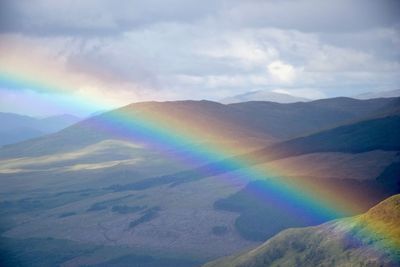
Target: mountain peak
263, 95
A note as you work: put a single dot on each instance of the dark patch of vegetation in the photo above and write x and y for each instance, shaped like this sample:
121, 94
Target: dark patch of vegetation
21, 205
74, 192
298, 245
178, 178
124, 209
390, 178
67, 214
219, 230
263, 215
37, 252
105, 204
134, 260
259, 218
381, 133
97, 206
49, 252
44, 202
147, 215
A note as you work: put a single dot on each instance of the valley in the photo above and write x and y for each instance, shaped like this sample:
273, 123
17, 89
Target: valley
104, 192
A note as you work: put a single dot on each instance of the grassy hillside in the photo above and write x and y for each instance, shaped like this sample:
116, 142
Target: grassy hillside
371, 239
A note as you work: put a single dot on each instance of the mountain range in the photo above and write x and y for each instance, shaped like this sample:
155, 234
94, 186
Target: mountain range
111, 190
263, 95
382, 94
17, 128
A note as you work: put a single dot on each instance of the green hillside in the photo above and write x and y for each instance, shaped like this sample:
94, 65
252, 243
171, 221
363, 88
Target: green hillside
370, 239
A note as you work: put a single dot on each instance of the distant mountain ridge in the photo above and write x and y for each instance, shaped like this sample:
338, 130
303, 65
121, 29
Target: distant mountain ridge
101, 177
264, 96
261, 122
16, 128
370, 239
287, 121
382, 94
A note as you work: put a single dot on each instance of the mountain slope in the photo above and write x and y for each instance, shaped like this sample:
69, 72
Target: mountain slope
370, 239
208, 121
17, 128
253, 123
287, 121
85, 179
376, 134
381, 133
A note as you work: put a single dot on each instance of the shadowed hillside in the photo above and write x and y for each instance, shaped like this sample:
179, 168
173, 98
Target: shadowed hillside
286, 121
369, 135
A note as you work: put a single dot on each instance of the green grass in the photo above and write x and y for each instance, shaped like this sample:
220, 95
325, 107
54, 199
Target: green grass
344, 242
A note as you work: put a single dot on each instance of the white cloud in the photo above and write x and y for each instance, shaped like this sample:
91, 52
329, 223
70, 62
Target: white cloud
165, 50
282, 72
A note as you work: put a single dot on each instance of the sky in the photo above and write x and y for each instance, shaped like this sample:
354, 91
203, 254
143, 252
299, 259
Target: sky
117, 52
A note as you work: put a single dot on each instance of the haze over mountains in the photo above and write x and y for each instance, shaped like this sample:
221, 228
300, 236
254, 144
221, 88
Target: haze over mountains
282, 97
385, 94
264, 96
144, 198
252, 122
16, 128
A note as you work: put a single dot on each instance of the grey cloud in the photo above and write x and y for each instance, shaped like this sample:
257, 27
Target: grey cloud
210, 49
96, 17
315, 15
108, 17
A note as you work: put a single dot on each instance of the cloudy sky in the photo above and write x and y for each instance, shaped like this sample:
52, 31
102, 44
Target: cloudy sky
117, 51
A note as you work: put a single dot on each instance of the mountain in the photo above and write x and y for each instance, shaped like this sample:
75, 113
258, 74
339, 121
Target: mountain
287, 121
208, 121
57, 122
17, 128
106, 192
370, 135
264, 96
370, 239
382, 94
251, 123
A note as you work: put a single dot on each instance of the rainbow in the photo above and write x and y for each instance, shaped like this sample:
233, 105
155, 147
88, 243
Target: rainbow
299, 197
